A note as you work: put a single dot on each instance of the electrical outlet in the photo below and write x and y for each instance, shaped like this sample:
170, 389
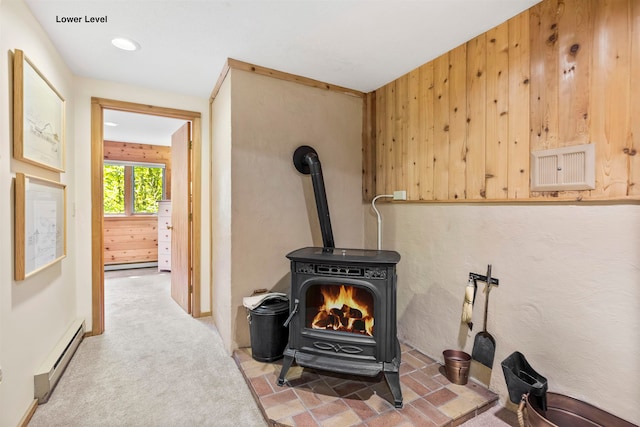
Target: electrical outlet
400, 195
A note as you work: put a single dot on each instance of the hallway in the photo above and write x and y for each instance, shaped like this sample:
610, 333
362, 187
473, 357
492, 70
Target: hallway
154, 365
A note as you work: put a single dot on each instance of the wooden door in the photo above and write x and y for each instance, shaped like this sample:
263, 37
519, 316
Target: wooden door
181, 286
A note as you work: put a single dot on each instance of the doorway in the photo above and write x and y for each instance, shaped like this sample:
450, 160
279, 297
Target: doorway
98, 106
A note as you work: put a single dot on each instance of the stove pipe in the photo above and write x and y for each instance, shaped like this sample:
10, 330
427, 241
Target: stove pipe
307, 162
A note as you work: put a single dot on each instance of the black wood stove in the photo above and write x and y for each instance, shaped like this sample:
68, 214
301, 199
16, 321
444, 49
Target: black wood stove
343, 302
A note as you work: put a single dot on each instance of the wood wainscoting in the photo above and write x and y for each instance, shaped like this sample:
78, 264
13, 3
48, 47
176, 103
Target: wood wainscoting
130, 239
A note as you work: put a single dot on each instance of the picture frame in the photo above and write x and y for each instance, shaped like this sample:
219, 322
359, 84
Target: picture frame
40, 224
38, 117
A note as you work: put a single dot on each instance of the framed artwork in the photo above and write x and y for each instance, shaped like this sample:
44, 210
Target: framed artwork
38, 117
40, 224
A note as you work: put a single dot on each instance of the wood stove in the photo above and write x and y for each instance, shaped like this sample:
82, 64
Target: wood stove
342, 302
343, 313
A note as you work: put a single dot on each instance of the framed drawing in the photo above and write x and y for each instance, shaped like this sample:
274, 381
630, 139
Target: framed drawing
38, 117
40, 224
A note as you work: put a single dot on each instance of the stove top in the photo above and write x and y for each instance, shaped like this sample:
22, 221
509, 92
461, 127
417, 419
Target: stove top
336, 255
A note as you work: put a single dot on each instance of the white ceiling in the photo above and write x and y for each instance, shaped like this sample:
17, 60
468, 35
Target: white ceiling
358, 44
139, 128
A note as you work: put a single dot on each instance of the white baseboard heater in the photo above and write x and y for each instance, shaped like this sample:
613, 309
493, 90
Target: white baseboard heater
52, 368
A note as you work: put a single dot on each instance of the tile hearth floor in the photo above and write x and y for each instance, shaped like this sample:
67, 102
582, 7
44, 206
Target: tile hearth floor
320, 398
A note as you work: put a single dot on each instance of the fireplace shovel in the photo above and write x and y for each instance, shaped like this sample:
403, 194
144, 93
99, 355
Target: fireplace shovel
484, 346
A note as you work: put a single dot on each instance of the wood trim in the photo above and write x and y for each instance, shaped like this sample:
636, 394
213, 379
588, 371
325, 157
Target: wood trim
18, 102
369, 146
216, 88
97, 218
210, 205
635, 200
128, 191
196, 179
24, 422
245, 66
110, 104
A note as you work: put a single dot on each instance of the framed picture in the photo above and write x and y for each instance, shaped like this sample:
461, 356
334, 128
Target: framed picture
38, 117
40, 224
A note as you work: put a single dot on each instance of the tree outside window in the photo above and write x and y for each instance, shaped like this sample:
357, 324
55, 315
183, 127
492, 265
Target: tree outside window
147, 188
131, 189
113, 189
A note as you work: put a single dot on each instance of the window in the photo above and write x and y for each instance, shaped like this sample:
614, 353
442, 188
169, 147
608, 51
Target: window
113, 189
147, 188
133, 188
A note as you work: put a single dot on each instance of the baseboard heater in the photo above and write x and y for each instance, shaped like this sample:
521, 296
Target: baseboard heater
51, 370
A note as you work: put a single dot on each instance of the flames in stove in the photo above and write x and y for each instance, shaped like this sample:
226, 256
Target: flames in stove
344, 308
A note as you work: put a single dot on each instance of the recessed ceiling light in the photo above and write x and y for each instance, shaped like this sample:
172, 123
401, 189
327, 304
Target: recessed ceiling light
110, 124
125, 44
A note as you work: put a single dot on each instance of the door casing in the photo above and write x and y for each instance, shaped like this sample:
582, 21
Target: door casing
98, 105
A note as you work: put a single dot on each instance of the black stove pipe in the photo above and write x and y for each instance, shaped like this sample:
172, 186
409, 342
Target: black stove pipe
307, 162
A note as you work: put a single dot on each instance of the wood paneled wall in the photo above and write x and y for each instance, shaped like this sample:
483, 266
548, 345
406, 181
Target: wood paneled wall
133, 239
462, 126
130, 239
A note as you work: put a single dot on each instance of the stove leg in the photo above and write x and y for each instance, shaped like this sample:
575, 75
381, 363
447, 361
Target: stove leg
286, 364
393, 379
392, 374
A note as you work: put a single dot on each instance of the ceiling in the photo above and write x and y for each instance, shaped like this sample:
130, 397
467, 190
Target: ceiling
358, 44
139, 128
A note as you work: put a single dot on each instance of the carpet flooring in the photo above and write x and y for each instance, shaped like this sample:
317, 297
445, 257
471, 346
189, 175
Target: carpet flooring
154, 366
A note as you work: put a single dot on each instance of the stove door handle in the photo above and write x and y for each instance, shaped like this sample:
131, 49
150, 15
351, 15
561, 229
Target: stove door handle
293, 312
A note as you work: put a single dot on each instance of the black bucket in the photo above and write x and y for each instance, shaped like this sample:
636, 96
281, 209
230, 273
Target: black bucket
522, 379
269, 336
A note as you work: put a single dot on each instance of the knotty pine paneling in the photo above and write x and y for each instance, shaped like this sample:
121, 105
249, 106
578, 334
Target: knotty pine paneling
497, 107
462, 127
634, 143
441, 120
458, 123
130, 239
518, 110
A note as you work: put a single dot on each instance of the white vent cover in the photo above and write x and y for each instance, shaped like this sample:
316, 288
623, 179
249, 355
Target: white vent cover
566, 168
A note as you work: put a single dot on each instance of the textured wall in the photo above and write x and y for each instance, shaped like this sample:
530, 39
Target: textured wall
273, 209
568, 295
221, 211
35, 312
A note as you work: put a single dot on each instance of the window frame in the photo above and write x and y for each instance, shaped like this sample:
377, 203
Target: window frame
129, 186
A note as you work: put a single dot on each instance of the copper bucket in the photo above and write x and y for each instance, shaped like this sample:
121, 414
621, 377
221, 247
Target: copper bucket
565, 411
456, 366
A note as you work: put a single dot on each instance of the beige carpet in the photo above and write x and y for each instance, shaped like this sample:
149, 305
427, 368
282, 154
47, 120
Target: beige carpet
154, 366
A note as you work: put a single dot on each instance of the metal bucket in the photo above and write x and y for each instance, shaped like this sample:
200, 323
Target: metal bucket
456, 366
269, 336
522, 379
565, 411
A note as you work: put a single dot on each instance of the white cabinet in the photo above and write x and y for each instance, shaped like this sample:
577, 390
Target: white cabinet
164, 235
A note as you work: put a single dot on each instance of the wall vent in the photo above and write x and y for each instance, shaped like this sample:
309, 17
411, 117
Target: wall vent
566, 168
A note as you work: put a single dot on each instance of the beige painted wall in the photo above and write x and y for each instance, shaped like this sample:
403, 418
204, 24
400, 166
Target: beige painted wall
568, 295
272, 205
221, 211
34, 313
